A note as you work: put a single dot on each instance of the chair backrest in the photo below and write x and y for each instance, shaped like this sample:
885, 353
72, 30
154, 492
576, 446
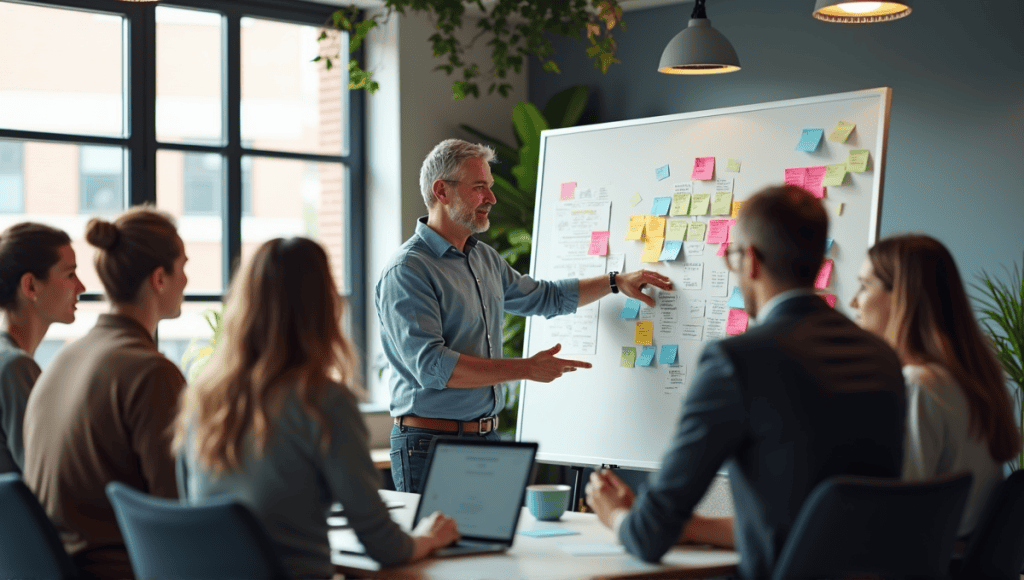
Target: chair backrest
169, 540
29, 544
996, 547
862, 525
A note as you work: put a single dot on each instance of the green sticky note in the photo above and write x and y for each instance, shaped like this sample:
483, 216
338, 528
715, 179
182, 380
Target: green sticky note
834, 174
700, 203
680, 204
696, 232
842, 132
733, 165
721, 203
635, 199
628, 357
858, 162
676, 230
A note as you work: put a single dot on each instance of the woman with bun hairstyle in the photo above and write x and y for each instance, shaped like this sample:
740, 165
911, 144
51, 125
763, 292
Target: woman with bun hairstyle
103, 408
958, 408
274, 423
38, 286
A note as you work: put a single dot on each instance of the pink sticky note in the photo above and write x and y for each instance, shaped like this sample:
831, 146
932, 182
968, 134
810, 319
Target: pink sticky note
737, 322
598, 244
703, 168
831, 299
718, 232
568, 190
728, 238
812, 182
823, 275
796, 176
721, 250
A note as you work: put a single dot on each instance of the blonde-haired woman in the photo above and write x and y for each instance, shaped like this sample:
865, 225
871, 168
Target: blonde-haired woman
958, 407
274, 423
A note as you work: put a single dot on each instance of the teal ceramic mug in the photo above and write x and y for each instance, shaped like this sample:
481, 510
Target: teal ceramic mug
547, 503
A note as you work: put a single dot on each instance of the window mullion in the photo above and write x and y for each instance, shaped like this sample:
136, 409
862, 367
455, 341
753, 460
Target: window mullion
141, 94
232, 200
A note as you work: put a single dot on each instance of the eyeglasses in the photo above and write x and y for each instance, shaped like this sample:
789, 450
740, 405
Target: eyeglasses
734, 256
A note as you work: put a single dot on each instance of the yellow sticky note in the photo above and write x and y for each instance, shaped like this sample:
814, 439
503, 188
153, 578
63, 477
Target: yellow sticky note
721, 203
635, 199
696, 231
628, 357
636, 227
858, 161
733, 165
680, 204
839, 209
842, 132
736, 205
834, 174
645, 332
652, 250
676, 230
655, 226
700, 204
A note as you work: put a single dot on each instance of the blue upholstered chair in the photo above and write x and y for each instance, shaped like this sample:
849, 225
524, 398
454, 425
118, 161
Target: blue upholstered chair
169, 540
29, 544
996, 547
861, 525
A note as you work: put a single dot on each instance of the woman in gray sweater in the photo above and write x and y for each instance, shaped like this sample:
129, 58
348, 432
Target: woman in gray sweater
274, 423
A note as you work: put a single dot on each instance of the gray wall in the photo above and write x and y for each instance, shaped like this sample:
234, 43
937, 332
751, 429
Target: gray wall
955, 167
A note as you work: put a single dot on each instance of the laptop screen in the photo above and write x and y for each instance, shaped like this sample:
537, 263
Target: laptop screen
479, 484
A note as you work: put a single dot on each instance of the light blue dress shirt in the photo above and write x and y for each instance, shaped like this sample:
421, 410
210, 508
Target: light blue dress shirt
435, 302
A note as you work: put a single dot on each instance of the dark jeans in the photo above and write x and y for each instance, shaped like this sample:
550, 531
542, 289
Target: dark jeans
409, 449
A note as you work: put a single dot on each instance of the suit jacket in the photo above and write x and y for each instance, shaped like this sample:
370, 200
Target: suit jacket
802, 396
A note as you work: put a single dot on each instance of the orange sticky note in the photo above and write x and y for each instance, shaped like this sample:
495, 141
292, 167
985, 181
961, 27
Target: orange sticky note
655, 226
736, 205
652, 250
636, 227
645, 332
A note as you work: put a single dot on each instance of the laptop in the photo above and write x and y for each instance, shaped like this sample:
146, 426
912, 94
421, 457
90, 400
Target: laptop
481, 485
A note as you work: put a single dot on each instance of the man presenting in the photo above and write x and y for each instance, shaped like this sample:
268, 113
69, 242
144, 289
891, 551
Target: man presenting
441, 302
803, 395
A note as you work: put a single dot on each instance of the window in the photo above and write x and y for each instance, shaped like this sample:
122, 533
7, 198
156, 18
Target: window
12, 177
101, 179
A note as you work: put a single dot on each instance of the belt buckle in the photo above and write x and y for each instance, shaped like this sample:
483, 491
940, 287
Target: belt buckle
480, 424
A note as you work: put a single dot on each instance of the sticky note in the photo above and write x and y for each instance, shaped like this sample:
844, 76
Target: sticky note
631, 308
796, 176
728, 236
834, 174
724, 184
680, 204
646, 356
628, 357
823, 275
813, 178
733, 166
809, 139
839, 209
635, 199
831, 299
676, 230
661, 173
645, 332
828, 245
636, 227
568, 190
722, 249
858, 161
668, 354
549, 532
598, 244
736, 205
737, 321
718, 231
661, 205
671, 250
721, 203
652, 250
700, 204
842, 132
696, 231
736, 298
655, 226
703, 168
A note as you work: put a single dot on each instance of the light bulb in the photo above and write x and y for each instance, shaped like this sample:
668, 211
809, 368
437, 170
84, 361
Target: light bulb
859, 7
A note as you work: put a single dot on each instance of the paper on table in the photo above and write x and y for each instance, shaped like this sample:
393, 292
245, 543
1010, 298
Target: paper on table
644, 332
636, 227
598, 244
842, 132
592, 549
733, 166
721, 204
718, 231
655, 226
548, 533
628, 357
652, 250
671, 250
700, 204
631, 308
676, 230
680, 204
809, 139
737, 322
695, 232
703, 168
646, 356
823, 275
661, 205
661, 173
635, 199
668, 354
568, 190
858, 161
834, 174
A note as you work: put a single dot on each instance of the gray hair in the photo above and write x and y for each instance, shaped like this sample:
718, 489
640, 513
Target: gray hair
445, 161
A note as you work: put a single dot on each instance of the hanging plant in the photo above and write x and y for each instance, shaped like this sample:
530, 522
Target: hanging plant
515, 30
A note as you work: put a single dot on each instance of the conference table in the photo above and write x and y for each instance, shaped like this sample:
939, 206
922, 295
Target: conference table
592, 553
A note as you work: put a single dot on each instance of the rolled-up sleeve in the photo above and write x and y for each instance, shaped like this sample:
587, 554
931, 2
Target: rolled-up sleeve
528, 297
710, 431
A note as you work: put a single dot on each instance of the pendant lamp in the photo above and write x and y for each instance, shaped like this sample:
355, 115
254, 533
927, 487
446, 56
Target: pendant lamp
860, 11
698, 49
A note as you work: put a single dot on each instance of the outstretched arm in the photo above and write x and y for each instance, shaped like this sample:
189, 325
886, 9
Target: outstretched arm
631, 284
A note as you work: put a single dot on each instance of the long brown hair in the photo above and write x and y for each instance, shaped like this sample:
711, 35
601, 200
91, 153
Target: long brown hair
281, 334
931, 320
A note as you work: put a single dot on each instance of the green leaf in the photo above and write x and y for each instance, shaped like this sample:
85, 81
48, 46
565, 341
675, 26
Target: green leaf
565, 108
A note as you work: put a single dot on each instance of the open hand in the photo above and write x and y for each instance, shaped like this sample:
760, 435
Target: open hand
632, 284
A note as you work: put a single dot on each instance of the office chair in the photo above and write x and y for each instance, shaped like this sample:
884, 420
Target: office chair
996, 547
29, 544
173, 541
864, 525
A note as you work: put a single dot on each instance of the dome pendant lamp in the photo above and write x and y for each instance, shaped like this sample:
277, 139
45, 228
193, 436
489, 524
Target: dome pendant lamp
860, 11
698, 49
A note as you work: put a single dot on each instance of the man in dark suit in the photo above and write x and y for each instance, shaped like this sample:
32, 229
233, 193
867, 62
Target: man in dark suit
803, 395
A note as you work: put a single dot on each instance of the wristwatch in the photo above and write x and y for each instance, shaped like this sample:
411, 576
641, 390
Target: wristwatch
611, 282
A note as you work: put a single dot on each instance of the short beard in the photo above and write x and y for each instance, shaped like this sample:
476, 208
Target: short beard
467, 219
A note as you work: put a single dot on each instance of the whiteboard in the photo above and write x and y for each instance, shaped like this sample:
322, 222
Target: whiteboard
623, 416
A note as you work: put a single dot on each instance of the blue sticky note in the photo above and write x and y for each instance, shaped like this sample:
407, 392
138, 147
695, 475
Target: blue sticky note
670, 251
662, 172
646, 356
828, 245
661, 205
631, 309
668, 354
809, 139
736, 300
549, 533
